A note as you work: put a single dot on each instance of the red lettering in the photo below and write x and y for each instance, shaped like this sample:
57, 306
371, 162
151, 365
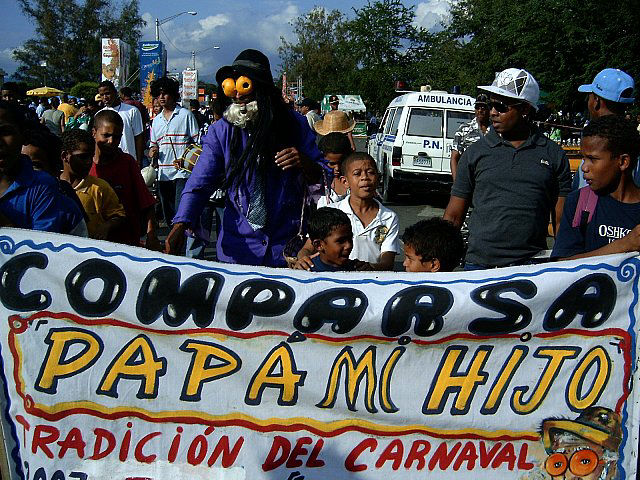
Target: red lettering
102, 434
298, 450
506, 455
43, 435
394, 452
73, 440
522, 458
126, 443
141, 457
486, 457
419, 450
229, 455
366, 444
175, 444
441, 457
280, 446
469, 455
313, 461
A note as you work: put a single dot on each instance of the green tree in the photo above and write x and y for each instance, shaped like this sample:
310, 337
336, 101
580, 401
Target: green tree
84, 90
68, 38
320, 54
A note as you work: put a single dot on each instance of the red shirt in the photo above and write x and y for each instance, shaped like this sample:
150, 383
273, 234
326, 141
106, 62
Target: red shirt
123, 174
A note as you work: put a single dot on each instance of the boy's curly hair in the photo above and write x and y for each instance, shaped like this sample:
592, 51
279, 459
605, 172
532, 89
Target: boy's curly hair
622, 135
436, 238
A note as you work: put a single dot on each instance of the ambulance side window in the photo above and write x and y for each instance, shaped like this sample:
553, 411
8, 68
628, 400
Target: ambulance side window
387, 125
396, 122
455, 119
425, 122
384, 120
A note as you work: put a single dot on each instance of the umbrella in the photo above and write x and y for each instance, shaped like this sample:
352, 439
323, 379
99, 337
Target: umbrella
44, 92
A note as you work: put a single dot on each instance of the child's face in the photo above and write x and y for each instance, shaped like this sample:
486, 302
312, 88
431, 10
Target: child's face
600, 167
107, 136
362, 178
336, 247
80, 160
413, 262
10, 142
334, 160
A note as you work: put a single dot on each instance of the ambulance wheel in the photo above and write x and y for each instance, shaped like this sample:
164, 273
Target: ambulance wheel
388, 187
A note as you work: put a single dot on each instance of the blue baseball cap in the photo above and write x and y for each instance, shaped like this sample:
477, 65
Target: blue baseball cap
611, 84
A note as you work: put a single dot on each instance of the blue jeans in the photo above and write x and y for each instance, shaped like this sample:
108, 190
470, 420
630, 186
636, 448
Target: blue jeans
170, 192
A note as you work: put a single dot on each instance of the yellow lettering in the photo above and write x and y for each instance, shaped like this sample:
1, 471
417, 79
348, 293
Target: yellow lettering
201, 370
494, 398
597, 355
385, 380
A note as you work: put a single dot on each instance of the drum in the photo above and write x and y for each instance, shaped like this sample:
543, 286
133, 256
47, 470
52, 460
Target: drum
190, 157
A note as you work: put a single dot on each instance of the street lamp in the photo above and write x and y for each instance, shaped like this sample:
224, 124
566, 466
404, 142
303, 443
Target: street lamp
193, 53
165, 20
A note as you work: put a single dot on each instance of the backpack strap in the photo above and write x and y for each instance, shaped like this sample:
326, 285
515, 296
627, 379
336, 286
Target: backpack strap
587, 202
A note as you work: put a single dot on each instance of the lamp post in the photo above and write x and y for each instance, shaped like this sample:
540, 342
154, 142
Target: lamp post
165, 20
193, 54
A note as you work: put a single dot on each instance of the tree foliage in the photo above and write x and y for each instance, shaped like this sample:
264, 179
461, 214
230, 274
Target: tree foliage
68, 38
563, 43
84, 90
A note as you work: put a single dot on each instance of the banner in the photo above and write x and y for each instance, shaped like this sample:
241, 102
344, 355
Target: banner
153, 64
122, 363
115, 61
189, 84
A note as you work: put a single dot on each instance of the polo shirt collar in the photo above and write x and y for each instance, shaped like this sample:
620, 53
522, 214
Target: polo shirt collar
174, 113
535, 137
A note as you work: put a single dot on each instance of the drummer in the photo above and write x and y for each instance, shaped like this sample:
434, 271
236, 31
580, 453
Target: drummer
172, 131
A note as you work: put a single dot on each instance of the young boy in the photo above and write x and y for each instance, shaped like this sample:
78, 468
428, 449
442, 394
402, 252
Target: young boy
374, 226
432, 245
121, 171
335, 146
609, 223
28, 198
331, 236
104, 211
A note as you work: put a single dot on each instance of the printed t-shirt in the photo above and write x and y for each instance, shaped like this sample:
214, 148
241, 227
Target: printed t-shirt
132, 126
124, 176
611, 220
381, 235
100, 202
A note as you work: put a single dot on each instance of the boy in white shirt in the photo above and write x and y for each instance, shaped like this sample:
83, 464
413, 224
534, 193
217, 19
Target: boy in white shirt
375, 227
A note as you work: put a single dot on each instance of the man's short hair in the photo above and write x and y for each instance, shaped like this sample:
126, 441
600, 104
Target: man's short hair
324, 221
354, 157
335, 142
169, 85
48, 142
436, 238
107, 83
193, 103
107, 116
72, 139
621, 134
126, 92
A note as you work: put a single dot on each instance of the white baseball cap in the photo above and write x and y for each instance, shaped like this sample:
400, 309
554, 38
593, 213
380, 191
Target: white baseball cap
515, 83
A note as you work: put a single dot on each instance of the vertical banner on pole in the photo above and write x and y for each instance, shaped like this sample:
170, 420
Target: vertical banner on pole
153, 64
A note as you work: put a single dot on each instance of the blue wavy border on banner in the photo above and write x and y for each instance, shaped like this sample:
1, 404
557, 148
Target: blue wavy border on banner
627, 271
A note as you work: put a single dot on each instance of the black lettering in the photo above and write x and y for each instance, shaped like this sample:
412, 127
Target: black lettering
516, 315
245, 301
11, 275
593, 297
343, 308
161, 293
424, 304
114, 286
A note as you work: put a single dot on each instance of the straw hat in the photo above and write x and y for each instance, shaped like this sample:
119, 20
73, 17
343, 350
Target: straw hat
334, 121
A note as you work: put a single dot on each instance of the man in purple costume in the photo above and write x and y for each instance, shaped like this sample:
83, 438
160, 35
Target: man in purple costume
264, 155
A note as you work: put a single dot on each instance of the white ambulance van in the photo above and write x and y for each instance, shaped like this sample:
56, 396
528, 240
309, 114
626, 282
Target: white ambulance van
413, 143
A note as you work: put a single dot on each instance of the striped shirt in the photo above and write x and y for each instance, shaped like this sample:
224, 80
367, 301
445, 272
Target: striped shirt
172, 137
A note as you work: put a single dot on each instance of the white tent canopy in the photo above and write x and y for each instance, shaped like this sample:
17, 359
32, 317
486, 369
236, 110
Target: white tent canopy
348, 103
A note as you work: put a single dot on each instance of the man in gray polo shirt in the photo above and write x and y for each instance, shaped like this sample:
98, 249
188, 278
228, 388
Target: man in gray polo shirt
515, 177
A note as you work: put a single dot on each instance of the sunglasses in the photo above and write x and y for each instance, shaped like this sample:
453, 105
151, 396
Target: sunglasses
581, 463
501, 107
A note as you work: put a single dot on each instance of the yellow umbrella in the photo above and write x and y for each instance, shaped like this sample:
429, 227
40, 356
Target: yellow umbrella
44, 92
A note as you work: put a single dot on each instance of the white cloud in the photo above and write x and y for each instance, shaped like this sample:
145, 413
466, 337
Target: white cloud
269, 30
431, 14
7, 63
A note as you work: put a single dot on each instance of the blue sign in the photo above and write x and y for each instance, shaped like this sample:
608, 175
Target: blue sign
153, 64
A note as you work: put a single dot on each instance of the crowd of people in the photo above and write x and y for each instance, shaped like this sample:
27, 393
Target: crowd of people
287, 188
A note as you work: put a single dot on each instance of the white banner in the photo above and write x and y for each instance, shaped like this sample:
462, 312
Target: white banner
189, 84
121, 363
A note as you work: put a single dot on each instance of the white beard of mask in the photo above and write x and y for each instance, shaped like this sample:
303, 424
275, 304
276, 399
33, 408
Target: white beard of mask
240, 115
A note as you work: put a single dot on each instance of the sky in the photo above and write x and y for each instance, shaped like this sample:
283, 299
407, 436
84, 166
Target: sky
233, 26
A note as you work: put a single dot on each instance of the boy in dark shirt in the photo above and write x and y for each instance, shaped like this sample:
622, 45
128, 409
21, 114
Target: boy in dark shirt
609, 223
331, 236
433, 245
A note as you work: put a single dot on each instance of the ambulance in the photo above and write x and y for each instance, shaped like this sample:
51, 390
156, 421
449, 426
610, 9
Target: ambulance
412, 146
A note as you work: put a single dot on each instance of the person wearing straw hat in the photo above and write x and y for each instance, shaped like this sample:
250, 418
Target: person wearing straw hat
264, 155
585, 448
336, 121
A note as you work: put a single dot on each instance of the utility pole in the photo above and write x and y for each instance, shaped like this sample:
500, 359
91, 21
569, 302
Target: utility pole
193, 58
